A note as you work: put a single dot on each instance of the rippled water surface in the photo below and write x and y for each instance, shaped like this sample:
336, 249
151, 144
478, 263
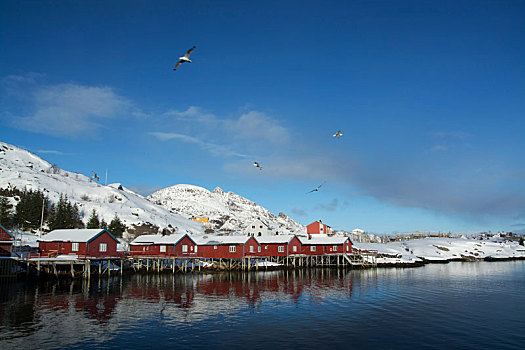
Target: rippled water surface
450, 306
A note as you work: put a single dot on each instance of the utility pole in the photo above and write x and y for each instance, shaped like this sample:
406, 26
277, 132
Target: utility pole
42, 216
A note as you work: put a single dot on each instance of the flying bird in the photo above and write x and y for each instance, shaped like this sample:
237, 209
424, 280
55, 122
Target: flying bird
185, 58
95, 176
257, 165
317, 188
338, 134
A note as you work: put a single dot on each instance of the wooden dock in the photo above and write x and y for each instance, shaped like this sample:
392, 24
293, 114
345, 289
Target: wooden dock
87, 268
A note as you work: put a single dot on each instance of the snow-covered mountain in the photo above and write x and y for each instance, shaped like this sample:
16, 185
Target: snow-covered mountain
24, 170
226, 211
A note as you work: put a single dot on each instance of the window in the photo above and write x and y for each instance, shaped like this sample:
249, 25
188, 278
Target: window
163, 249
103, 247
251, 249
280, 249
74, 247
260, 226
294, 248
265, 247
259, 234
347, 247
312, 248
259, 249
253, 226
232, 249
214, 247
335, 248
184, 248
195, 249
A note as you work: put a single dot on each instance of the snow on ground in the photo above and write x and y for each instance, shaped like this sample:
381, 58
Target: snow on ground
445, 249
24, 170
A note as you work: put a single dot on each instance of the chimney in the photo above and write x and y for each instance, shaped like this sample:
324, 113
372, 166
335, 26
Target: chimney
309, 236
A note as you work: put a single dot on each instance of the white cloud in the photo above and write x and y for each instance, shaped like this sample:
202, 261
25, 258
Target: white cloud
71, 110
215, 149
257, 125
439, 148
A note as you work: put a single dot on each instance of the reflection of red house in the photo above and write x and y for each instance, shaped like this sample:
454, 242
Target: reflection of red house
284, 245
225, 247
6, 242
322, 244
318, 227
176, 245
94, 243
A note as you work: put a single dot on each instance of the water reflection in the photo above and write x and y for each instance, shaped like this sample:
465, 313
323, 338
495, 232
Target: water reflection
129, 310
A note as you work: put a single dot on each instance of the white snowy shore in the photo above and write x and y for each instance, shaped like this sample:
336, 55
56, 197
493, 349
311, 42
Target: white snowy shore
418, 251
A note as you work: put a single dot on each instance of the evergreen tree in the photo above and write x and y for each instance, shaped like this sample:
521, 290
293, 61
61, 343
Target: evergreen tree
116, 227
29, 209
93, 221
6, 216
65, 215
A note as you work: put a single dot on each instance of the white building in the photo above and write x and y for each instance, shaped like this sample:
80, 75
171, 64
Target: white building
257, 228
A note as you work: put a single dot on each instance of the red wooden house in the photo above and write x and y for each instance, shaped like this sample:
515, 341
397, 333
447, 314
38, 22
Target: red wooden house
322, 244
282, 245
175, 245
88, 243
318, 227
226, 247
6, 242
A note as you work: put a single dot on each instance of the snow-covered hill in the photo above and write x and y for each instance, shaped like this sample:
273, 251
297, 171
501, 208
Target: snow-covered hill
227, 211
24, 170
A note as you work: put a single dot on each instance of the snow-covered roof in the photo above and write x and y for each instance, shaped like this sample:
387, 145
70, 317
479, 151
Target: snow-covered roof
158, 239
218, 240
274, 239
73, 235
322, 239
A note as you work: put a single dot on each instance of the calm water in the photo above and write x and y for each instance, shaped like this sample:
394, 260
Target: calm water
453, 306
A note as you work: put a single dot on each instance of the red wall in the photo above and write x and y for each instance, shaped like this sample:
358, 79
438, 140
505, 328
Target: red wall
5, 249
154, 249
252, 243
297, 243
4, 236
85, 250
315, 228
222, 251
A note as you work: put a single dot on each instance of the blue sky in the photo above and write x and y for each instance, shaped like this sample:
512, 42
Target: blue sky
430, 96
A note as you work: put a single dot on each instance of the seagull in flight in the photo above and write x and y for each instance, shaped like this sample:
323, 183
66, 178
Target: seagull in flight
317, 188
95, 176
185, 58
257, 165
338, 134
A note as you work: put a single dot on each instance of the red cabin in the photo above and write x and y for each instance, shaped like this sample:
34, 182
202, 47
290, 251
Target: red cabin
318, 227
226, 247
6, 242
322, 244
92, 243
176, 245
279, 245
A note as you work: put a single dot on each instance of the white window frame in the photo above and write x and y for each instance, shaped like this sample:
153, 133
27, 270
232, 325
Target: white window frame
294, 249
335, 248
312, 248
258, 249
102, 247
162, 249
195, 249
184, 248
232, 249
280, 249
74, 246
252, 250
347, 248
215, 247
